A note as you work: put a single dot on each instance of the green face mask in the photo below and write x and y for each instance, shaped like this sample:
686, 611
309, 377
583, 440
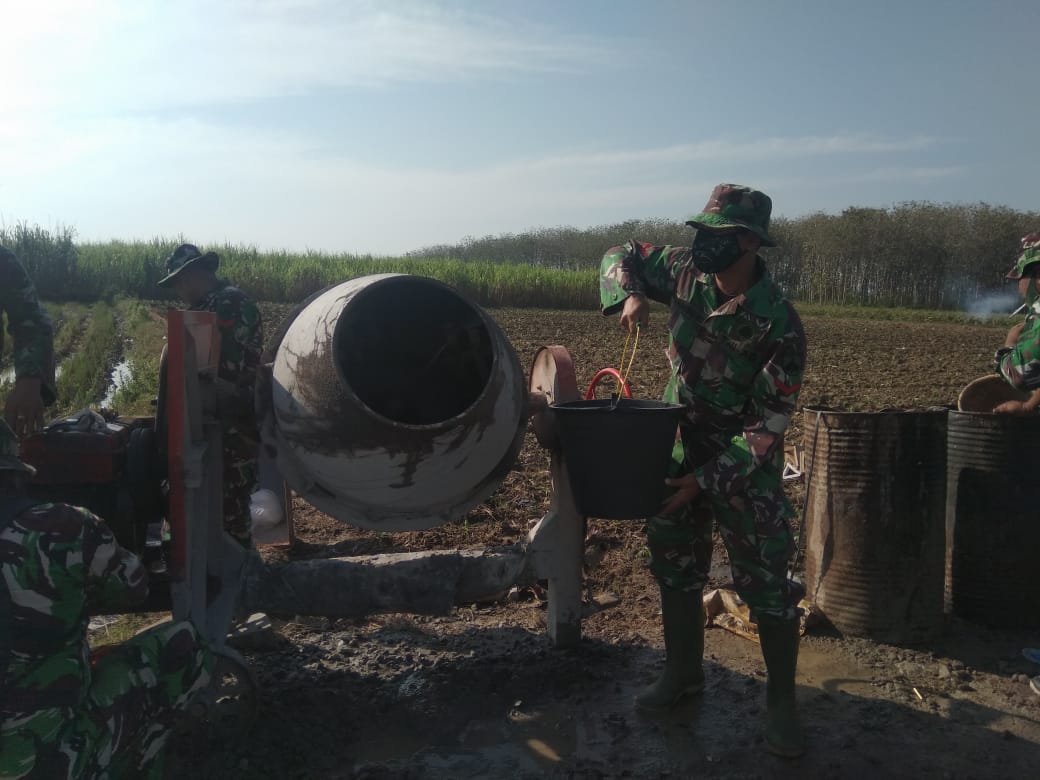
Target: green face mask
714, 252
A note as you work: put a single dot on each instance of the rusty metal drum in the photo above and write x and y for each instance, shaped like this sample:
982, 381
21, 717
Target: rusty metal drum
875, 521
392, 402
993, 519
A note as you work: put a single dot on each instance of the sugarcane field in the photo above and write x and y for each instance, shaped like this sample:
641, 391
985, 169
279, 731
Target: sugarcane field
478, 690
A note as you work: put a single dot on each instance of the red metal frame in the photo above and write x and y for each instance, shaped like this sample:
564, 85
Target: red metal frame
176, 411
202, 353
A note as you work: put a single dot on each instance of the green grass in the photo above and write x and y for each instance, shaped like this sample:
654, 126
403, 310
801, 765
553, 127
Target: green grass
133, 269
146, 329
124, 627
85, 373
69, 321
902, 314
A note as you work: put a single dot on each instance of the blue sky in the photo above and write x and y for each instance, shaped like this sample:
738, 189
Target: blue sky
387, 126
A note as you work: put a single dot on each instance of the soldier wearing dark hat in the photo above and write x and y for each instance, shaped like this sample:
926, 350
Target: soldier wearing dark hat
737, 354
33, 353
192, 275
65, 711
1018, 361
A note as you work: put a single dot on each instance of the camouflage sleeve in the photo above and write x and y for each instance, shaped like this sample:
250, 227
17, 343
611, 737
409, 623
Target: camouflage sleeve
115, 577
27, 322
772, 401
1020, 365
241, 339
636, 267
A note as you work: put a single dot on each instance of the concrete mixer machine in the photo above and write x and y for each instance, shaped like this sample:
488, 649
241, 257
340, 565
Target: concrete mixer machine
392, 403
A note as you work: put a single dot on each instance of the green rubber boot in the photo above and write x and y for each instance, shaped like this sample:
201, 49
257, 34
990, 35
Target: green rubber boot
784, 736
683, 617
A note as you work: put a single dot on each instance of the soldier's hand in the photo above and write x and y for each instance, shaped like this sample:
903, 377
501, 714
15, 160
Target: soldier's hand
1012, 407
24, 408
636, 312
687, 490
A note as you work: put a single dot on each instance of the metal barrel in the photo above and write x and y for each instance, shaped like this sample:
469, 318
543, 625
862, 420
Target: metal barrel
993, 519
392, 402
874, 521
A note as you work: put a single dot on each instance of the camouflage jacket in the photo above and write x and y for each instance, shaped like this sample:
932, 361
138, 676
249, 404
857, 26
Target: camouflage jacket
28, 324
737, 363
58, 561
241, 339
1020, 365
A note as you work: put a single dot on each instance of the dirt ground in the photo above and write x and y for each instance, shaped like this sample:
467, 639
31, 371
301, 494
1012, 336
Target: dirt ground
480, 693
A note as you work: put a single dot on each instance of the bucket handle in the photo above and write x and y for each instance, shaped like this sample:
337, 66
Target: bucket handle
602, 374
631, 358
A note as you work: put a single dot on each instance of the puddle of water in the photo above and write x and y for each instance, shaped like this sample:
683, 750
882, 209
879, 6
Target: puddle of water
7, 375
120, 376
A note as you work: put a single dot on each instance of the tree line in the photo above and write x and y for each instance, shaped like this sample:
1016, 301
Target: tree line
915, 255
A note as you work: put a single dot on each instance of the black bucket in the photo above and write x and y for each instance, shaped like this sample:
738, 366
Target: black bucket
617, 454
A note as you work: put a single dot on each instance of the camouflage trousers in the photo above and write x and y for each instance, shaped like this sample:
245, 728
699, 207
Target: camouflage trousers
753, 526
240, 472
136, 691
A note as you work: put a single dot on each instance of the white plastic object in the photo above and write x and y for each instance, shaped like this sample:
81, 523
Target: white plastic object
265, 510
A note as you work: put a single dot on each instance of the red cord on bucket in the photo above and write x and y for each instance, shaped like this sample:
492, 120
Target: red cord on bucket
615, 373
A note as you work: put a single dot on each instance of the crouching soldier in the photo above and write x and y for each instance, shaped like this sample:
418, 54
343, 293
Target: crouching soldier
66, 712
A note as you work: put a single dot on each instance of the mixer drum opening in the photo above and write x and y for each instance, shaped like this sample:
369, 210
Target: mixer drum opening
429, 363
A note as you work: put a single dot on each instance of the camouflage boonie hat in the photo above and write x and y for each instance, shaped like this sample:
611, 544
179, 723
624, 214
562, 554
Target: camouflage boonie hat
736, 206
9, 460
184, 256
1030, 254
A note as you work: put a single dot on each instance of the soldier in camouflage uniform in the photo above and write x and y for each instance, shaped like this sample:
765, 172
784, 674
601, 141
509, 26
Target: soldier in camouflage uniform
33, 353
66, 712
193, 276
737, 352
1018, 361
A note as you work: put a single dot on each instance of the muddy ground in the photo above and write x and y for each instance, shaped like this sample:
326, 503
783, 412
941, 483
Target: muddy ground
480, 693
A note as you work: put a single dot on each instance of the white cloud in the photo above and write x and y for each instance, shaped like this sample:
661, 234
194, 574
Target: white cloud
749, 150
108, 56
140, 178
908, 173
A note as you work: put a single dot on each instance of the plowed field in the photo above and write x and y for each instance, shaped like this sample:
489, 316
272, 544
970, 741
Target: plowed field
480, 693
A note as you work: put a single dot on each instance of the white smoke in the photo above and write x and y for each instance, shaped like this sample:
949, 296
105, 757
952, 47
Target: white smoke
995, 304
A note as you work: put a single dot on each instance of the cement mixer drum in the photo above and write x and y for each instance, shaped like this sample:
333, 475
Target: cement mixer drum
394, 403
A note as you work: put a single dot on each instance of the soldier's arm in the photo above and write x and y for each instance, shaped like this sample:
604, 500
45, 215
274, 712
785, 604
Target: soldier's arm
1020, 364
31, 331
115, 577
773, 398
636, 267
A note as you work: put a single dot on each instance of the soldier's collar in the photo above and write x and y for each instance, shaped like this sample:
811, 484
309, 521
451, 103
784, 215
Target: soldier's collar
760, 298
